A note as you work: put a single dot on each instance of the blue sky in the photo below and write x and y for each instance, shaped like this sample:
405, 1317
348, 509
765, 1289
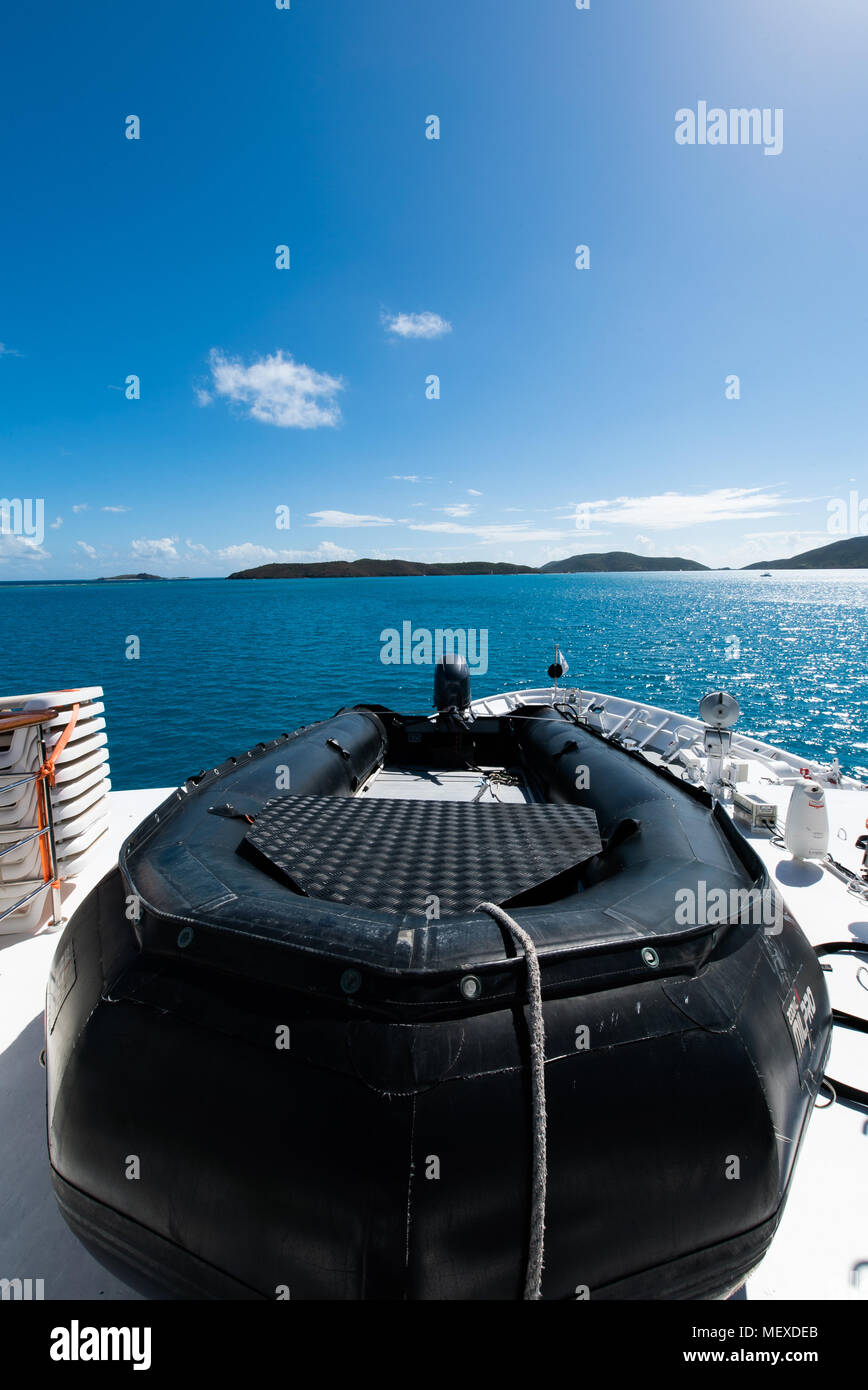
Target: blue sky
260, 388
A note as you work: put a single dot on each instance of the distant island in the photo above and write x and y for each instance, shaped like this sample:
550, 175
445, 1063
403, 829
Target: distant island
851, 554
375, 569
618, 562
614, 562
846, 554
132, 579
141, 579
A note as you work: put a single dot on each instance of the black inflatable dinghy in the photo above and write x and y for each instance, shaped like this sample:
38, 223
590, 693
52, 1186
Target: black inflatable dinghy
289, 1056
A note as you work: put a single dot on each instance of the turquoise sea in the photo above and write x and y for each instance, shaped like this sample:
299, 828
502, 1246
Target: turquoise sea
225, 663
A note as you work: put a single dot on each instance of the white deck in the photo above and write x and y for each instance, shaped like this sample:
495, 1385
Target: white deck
35, 1242
821, 1250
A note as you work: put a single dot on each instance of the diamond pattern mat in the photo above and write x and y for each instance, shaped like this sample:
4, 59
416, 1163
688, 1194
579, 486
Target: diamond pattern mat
393, 855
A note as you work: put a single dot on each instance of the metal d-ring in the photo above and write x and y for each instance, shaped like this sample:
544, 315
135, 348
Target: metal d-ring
831, 1089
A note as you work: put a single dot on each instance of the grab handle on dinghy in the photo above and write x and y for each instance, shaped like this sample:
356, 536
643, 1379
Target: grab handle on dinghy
598, 868
841, 1089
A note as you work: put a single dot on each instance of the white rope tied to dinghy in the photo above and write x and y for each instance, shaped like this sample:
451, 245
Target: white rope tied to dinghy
533, 1278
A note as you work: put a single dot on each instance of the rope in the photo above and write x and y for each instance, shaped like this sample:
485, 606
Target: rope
533, 1277
48, 770
47, 774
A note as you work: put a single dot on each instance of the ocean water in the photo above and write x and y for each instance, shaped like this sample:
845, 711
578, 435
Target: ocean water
224, 663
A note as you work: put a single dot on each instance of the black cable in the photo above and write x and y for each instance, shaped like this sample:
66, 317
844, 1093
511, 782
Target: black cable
841, 1089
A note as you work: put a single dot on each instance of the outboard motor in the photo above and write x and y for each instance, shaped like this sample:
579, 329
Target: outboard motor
451, 684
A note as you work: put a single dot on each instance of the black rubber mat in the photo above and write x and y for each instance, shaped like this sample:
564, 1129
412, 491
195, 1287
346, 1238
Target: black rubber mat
394, 856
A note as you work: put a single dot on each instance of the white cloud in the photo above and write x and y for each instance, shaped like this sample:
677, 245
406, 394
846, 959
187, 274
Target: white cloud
15, 547
349, 519
327, 550
163, 549
196, 548
473, 493
6, 351
80, 507
806, 540
56, 523
405, 478
426, 325
277, 390
115, 509
775, 545
248, 554
458, 509
88, 549
508, 531
688, 552
670, 511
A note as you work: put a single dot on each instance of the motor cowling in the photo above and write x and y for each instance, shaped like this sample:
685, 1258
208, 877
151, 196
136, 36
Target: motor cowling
451, 683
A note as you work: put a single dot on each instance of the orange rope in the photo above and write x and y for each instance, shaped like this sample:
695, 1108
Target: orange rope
42, 822
47, 774
48, 770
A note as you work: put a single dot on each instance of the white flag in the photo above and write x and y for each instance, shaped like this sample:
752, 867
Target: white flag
562, 661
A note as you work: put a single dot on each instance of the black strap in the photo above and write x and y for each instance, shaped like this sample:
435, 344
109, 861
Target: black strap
230, 813
841, 1089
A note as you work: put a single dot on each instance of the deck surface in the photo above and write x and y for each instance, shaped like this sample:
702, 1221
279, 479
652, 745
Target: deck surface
35, 1242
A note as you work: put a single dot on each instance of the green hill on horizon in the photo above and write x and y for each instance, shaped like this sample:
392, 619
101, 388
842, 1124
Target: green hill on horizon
615, 561
850, 554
